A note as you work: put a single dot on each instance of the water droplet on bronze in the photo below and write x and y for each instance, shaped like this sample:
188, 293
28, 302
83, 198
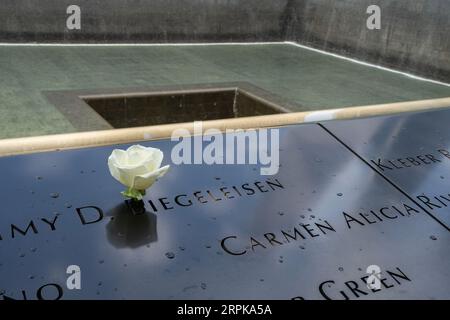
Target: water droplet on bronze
170, 255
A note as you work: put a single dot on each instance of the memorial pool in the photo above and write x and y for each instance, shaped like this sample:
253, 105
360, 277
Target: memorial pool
312, 80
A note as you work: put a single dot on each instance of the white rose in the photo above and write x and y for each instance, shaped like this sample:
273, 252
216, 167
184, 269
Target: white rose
137, 168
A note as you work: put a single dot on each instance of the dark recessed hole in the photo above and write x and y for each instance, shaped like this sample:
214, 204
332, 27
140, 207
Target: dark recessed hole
180, 106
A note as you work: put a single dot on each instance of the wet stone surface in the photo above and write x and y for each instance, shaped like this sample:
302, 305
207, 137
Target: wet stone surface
412, 150
220, 231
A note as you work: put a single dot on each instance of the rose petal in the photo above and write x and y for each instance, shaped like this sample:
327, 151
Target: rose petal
145, 181
118, 156
138, 154
155, 160
128, 173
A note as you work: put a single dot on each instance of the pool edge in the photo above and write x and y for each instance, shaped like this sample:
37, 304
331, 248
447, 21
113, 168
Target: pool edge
25, 145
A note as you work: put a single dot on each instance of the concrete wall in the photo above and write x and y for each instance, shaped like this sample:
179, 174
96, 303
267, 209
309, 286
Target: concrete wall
414, 34
142, 20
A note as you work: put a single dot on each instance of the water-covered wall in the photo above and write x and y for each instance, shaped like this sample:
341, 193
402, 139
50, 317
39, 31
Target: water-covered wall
414, 34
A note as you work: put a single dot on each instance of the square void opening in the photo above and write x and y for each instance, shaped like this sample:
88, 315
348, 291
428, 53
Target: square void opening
180, 106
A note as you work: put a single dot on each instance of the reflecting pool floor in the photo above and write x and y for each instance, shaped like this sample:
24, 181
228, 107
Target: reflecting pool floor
313, 80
